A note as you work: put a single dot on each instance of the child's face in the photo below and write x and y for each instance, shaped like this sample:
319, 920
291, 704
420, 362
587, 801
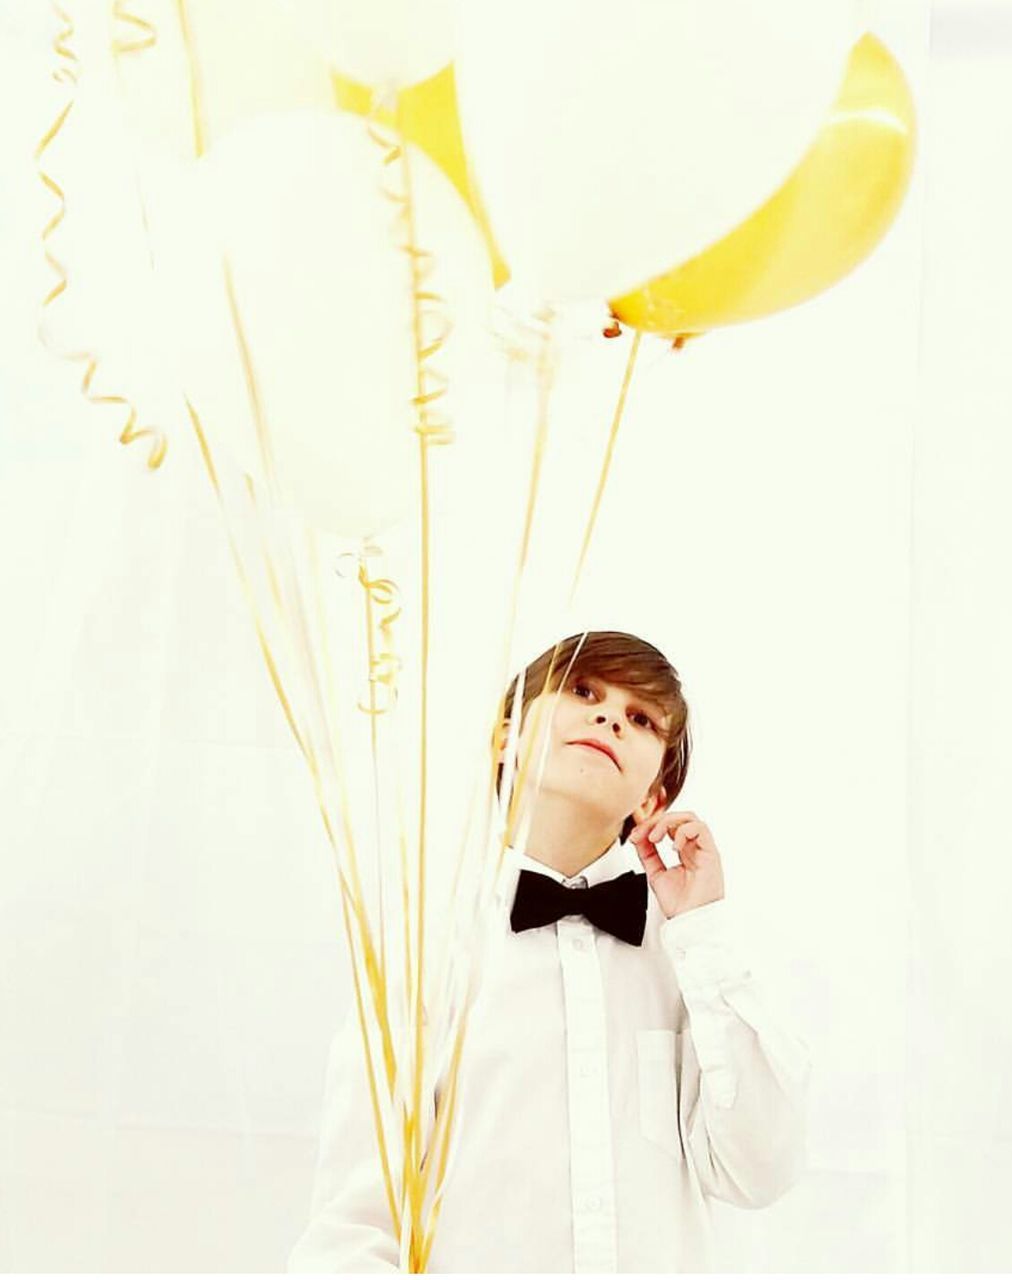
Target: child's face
591, 708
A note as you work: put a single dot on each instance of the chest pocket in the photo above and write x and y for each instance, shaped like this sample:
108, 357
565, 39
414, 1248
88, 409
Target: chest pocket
657, 1063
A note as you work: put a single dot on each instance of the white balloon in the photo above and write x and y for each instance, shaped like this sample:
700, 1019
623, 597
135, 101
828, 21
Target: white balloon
380, 42
612, 141
294, 203
247, 59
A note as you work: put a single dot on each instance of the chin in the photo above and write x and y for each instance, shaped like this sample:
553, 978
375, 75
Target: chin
566, 785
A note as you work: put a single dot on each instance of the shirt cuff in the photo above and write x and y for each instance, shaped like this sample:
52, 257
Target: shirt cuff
704, 923
700, 946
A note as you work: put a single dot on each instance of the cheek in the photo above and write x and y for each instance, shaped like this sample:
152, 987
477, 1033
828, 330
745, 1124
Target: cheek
532, 738
650, 763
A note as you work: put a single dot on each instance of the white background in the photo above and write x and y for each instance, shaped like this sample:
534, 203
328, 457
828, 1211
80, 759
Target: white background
808, 514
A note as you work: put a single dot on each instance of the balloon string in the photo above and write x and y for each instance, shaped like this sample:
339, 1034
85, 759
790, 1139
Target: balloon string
350, 897
383, 669
445, 1114
263, 437
515, 789
132, 42
66, 72
430, 328
606, 464
430, 321
384, 664
272, 666
380, 966
617, 415
375, 973
198, 110
382, 1005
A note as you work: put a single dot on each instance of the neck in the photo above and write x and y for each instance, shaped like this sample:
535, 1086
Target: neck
567, 838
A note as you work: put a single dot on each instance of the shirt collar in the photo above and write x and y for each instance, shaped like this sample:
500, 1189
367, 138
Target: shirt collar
616, 859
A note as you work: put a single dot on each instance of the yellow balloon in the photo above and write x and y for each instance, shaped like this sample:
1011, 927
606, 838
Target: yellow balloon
428, 116
826, 218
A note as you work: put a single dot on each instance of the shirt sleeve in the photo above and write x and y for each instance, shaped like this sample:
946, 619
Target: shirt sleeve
350, 1227
745, 1092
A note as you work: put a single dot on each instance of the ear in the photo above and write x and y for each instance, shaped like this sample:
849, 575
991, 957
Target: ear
655, 801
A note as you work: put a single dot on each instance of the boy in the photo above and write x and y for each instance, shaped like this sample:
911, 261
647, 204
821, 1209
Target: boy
620, 1064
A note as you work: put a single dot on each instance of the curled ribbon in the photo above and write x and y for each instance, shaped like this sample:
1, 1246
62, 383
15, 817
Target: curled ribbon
130, 42
66, 72
430, 324
384, 664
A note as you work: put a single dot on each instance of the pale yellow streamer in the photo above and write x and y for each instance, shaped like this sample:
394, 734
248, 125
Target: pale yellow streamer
66, 72
430, 328
384, 664
352, 898
544, 365
348, 895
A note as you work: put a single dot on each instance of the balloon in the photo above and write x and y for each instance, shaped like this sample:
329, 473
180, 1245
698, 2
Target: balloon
246, 59
827, 217
382, 42
428, 117
605, 135
294, 203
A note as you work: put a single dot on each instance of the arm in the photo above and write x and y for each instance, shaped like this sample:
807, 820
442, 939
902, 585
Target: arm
349, 1228
748, 1090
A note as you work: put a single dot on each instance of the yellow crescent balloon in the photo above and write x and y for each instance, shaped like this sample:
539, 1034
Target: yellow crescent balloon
428, 116
826, 218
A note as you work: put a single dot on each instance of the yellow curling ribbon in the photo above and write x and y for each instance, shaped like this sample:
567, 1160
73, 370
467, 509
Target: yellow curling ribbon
356, 922
141, 33
427, 116
542, 329
66, 72
375, 968
430, 327
430, 323
384, 664
442, 1136
349, 895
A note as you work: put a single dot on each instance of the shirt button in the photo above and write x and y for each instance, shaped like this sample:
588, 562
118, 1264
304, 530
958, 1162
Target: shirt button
585, 1069
680, 952
579, 944
592, 1204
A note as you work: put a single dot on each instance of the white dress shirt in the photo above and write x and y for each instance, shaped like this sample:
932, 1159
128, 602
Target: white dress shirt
605, 1091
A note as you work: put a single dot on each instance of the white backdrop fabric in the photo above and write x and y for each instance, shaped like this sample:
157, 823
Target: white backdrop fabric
809, 515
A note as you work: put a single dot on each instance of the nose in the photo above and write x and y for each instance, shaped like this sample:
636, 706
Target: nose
601, 717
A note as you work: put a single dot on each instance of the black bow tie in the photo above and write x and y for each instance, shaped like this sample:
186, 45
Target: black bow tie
617, 906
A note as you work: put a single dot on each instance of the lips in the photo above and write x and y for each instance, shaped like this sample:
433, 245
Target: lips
599, 746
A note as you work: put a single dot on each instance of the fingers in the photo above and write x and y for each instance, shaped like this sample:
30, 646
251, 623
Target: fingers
662, 822
651, 860
666, 823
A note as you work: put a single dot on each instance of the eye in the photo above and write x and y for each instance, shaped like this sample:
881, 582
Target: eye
649, 722
577, 685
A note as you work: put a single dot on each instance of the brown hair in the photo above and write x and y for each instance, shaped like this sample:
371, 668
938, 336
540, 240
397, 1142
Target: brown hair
621, 659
